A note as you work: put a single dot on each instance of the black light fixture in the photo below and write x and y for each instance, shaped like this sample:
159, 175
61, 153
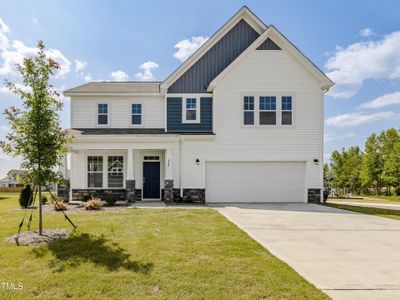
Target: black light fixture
197, 161
316, 161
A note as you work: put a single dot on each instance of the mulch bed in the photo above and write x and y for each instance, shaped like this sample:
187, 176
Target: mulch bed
78, 208
33, 238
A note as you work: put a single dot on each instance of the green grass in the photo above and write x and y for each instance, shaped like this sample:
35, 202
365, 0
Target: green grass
145, 254
380, 212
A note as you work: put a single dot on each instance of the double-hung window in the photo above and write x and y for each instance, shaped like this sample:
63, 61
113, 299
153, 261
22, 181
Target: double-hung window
102, 114
95, 171
191, 112
115, 171
136, 114
248, 110
287, 110
267, 110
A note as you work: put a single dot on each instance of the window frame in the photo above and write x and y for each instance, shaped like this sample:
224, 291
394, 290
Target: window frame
248, 110
286, 110
105, 155
88, 171
259, 93
136, 114
185, 109
267, 109
102, 114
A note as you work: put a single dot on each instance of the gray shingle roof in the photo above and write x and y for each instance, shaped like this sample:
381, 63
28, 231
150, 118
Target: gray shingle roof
117, 87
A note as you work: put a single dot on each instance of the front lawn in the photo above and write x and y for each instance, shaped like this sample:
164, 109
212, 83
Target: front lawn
144, 254
380, 212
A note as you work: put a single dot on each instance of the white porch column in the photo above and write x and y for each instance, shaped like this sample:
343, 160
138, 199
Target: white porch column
130, 179
168, 164
168, 182
129, 165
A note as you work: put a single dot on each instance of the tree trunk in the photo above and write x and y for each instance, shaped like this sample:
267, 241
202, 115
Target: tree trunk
40, 212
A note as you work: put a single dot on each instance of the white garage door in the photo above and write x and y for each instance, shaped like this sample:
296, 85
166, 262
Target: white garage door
255, 181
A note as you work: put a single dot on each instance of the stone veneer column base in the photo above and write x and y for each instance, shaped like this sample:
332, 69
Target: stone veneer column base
314, 196
130, 190
168, 191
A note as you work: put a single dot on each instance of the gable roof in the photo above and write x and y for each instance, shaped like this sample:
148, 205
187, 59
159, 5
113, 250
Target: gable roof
128, 87
243, 14
282, 42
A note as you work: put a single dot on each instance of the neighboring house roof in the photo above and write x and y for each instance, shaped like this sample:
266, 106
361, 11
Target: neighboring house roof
128, 87
282, 42
4, 179
102, 131
243, 14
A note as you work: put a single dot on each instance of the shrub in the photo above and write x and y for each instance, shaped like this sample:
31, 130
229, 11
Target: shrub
86, 198
25, 196
44, 199
110, 199
93, 204
59, 205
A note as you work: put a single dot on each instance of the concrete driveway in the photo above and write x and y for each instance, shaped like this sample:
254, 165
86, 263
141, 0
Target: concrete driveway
345, 254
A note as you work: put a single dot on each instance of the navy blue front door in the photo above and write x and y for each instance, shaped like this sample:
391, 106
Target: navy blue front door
151, 180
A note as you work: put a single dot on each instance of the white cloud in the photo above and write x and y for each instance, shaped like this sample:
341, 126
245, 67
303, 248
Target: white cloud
14, 54
358, 118
34, 20
328, 137
187, 47
3, 27
366, 32
147, 71
382, 101
88, 77
350, 67
119, 76
79, 65
19, 51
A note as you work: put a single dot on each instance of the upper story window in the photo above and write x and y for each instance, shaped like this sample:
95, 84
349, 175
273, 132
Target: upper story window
286, 110
136, 114
267, 110
102, 114
248, 108
191, 112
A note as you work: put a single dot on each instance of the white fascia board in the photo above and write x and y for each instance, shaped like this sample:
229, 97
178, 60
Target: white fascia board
72, 94
244, 13
285, 45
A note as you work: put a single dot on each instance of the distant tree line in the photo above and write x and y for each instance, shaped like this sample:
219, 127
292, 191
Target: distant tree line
376, 170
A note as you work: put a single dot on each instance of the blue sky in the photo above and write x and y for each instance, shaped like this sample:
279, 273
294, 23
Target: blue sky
356, 42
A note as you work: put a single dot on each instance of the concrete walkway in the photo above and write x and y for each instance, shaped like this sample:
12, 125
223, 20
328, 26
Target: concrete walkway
368, 204
345, 254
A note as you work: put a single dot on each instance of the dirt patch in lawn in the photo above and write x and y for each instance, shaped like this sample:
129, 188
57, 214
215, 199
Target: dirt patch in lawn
33, 237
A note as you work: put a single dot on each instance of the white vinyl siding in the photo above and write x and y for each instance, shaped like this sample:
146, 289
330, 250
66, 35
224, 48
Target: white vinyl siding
84, 111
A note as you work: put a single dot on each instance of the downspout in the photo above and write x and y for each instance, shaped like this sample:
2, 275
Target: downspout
180, 165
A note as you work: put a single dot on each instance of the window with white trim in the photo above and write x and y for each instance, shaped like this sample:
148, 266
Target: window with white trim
287, 110
190, 112
267, 108
95, 171
102, 114
136, 114
115, 171
248, 110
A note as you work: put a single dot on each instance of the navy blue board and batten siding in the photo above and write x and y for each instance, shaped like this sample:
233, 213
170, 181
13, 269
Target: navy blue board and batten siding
197, 78
174, 116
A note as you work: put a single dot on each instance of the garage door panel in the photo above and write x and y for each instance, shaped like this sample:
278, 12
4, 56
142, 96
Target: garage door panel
255, 181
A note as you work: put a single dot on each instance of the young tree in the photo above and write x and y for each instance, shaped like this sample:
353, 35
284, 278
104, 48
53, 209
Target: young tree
388, 140
36, 135
372, 164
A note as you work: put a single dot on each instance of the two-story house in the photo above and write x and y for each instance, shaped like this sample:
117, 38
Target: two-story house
241, 120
